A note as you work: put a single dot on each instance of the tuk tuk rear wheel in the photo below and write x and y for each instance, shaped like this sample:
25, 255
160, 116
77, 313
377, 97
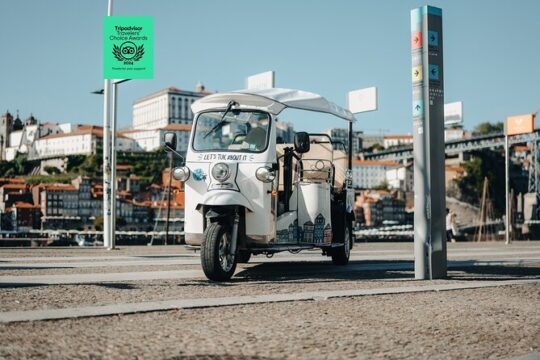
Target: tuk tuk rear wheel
217, 262
341, 254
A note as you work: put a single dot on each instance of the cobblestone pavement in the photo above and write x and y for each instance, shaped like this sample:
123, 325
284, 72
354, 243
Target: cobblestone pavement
483, 323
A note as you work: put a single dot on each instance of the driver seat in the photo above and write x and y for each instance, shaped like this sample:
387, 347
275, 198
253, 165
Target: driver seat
255, 137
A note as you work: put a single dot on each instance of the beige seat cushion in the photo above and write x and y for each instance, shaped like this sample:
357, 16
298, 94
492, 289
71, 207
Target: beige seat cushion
324, 152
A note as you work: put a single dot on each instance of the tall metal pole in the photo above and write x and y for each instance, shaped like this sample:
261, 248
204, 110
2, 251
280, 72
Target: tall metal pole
113, 164
350, 149
507, 191
106, 155
169, 198
430, 260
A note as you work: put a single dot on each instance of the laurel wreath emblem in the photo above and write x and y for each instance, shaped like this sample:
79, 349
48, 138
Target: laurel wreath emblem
138, 54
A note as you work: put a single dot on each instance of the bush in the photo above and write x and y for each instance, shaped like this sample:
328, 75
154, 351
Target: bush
52, 170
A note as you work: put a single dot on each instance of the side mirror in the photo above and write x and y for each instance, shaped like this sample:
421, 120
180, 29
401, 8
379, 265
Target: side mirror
170, 141
301, 142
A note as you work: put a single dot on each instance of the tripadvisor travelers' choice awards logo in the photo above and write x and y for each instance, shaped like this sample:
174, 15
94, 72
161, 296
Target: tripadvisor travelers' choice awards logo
128, 52
128, 47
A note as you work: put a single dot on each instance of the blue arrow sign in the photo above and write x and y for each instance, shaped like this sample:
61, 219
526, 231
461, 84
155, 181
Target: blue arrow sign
433, 72
418, 108
433, 38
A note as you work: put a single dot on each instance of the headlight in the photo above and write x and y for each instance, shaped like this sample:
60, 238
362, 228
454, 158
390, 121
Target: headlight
181, 173
221, 172
265, 174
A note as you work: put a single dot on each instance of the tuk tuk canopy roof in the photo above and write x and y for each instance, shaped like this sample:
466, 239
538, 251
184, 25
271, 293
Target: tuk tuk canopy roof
272, 100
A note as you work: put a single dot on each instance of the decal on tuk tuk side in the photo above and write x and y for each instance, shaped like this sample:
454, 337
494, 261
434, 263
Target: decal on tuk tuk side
319, 232
225, 157
198, 174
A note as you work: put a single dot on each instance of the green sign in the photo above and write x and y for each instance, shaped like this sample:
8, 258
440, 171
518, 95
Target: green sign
128, 47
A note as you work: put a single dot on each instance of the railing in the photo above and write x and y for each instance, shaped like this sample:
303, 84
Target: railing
457, 146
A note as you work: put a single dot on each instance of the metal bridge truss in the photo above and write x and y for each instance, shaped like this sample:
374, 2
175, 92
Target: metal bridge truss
491, 141
458, 146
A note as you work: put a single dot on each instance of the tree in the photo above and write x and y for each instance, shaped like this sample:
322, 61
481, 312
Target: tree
382, 186
484, 163
376, 147
486, 128
98, 223
52, 170
21, 164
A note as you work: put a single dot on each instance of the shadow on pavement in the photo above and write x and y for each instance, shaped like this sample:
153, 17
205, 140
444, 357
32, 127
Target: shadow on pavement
219, 357
286, 271
399, 269
111, 285
493, 272
16, 267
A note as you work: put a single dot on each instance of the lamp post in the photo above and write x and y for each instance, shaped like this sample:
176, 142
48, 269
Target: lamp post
107, 228
109, 162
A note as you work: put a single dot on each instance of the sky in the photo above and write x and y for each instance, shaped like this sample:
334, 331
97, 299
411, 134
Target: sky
51, 55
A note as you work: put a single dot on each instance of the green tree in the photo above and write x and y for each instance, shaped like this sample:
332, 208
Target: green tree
52, 170
376, 147
484, 163
382, 186
486, 128
98, 223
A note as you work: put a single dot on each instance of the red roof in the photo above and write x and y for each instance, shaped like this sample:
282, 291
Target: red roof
399, 137
12, 186
25, 205
12, 180
455, 168
58, 187
375, 163
177, 127
83, 130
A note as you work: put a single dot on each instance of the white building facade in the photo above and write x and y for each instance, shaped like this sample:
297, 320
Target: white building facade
368, 174
168, 106
397, 140
152, 139
83, 141
401, 177
342, 135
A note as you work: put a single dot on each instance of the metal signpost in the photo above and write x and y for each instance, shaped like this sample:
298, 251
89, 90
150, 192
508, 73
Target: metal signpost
127, 49
515, 125
265, 80
428, 128
107, 219
359, 101
453, 113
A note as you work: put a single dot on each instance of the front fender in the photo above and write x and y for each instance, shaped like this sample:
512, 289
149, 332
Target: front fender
225, 198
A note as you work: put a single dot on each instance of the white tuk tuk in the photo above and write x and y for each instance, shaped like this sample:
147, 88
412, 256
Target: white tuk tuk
247, 192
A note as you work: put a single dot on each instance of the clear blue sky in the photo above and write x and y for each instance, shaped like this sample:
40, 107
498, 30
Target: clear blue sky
51, 54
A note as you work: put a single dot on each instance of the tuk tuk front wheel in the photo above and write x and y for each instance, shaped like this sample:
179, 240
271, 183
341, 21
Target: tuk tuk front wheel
243, 256
216, 259
341, 254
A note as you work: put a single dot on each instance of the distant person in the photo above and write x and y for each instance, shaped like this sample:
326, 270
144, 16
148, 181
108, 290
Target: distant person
449, 234
455, 230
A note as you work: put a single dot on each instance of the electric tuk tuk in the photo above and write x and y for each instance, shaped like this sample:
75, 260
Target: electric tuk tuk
247, 192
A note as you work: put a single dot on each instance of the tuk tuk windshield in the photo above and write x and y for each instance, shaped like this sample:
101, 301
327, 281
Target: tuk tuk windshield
237, 130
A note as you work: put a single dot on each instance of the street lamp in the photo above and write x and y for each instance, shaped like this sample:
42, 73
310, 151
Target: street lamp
109, 163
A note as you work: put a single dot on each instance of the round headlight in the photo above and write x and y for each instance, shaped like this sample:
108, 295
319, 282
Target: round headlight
221, 172
181, 173
265, 174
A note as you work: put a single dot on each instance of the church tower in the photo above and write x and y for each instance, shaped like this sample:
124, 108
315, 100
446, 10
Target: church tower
6, 127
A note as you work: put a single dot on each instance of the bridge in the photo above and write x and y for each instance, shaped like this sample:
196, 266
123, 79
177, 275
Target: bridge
489, 141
